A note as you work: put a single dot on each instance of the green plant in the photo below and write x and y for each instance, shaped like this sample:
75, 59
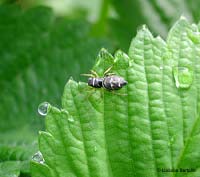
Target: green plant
156, 126
35, 46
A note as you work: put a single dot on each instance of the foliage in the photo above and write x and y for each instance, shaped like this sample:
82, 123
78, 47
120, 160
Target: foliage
154, 127
119, 20
158, 15
38, 54
40, 50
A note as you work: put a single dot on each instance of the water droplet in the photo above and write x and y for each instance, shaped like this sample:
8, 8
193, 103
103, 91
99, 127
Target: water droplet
71, 119
95, 148
183, 77
43, 108
38, 157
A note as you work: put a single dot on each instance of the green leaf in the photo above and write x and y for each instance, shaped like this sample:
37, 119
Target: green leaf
17, 149
40, 169
62, 46
9, 169
154, 127
38, 54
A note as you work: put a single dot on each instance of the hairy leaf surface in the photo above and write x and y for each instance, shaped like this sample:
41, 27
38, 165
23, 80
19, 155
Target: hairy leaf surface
149, 125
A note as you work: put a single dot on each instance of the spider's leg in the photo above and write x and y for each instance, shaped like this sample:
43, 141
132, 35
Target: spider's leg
107, 71
94, 73
88, 75
110, 74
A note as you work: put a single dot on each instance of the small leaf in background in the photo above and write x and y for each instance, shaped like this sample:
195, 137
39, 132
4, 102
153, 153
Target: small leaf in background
119, 20
154, 127
159, 16
16, 150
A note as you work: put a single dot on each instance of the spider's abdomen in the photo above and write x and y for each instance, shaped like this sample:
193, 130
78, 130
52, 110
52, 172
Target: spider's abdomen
95, 82
113, 82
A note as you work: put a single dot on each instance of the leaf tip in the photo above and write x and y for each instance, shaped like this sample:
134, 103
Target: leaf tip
182, 20
143, 30
119, 54
103, 50
71, 78
70, 81
103, 54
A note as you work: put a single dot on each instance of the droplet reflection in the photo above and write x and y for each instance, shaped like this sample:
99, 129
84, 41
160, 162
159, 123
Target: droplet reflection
43, 108
38, 157
183, 77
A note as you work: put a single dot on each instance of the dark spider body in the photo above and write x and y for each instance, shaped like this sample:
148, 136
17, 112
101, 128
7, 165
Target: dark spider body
112, 82
95, 82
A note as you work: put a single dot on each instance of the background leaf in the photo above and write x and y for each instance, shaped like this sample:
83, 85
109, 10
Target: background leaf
158, 15
119, 21
9, 169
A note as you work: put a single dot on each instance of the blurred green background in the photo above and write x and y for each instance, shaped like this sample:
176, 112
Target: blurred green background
43, 43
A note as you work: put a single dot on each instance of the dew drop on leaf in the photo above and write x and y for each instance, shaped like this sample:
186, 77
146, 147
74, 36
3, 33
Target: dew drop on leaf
43, 108
183, 77
38, 157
